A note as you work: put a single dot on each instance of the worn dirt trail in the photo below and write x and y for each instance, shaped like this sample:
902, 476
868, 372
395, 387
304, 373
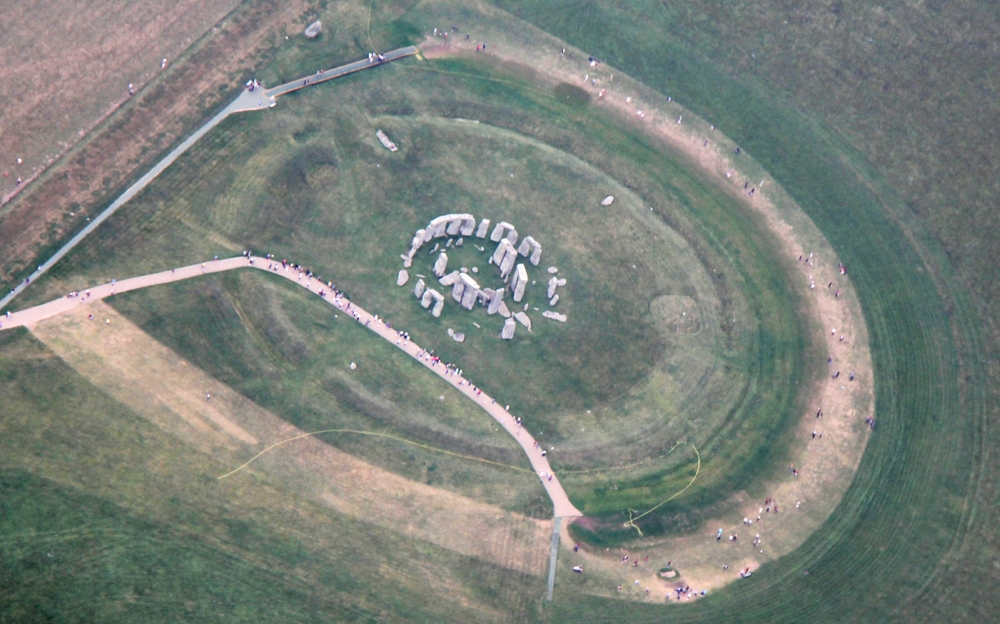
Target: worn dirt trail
825, 462
536, 455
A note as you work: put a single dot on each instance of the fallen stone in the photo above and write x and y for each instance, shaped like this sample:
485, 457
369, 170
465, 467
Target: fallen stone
451, 332
458, 337
475, 269
553, 282
553, 270
418, 290
555, 316
523, 319
402, 278
311, 32
449, 279
554, 300
385, 141
502, 309
407, 263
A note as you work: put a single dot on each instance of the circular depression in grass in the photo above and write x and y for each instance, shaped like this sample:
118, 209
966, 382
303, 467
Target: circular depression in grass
643, 337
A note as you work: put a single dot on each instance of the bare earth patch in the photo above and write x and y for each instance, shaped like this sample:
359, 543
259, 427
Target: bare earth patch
154, 120
156, 383
825, 465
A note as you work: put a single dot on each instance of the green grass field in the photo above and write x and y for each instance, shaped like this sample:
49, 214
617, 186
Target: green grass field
310, 184
913, 537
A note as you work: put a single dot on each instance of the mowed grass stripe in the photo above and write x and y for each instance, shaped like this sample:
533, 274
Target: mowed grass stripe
918, 458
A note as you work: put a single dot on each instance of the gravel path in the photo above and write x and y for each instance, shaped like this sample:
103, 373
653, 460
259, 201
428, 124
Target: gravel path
248, 100
562, 507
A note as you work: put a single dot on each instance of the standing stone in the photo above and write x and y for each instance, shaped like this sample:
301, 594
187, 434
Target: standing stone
495, 302
459, 242
418, 290
468, 225
512, 236
454, 227
436, 312
457, 291
518, 282
553, 269
508, 329
402, 278
508, 263
441, 264
484, 225
536, 255
553, 282
426, 298
470, 293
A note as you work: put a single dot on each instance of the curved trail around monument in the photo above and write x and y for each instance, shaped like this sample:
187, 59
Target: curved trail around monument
562, 507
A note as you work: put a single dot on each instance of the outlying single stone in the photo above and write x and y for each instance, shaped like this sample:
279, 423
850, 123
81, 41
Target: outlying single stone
313, 30
607, 201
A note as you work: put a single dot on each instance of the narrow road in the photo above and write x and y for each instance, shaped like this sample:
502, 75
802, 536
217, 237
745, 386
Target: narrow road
561, 505
258, 99
337, 72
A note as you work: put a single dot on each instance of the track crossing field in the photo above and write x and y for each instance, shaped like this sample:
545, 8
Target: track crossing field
763, 245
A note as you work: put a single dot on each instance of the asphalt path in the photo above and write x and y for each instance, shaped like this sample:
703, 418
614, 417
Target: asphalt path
537, 455
248, 100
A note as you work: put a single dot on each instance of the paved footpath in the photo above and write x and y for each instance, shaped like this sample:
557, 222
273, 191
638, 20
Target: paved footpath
248, 100
562, 507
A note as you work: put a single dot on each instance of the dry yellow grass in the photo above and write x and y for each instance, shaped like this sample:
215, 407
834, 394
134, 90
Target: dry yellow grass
171, 393
64, 66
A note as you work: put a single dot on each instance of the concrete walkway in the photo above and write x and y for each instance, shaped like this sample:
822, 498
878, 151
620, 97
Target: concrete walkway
562, 507
257, 99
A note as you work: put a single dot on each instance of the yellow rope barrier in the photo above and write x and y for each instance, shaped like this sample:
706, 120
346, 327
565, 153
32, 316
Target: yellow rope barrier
376, 434
631, 520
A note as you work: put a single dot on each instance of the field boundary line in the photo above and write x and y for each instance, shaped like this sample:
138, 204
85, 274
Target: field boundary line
247, 100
